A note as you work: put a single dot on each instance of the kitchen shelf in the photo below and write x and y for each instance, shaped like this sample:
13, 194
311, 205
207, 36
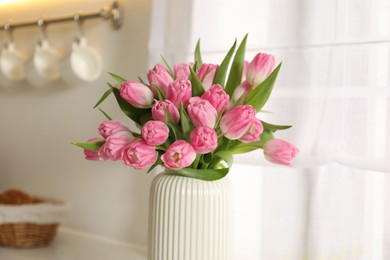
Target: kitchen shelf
74, 245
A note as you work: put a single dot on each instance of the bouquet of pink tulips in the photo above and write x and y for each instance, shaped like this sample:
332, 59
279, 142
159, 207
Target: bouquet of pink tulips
192, 119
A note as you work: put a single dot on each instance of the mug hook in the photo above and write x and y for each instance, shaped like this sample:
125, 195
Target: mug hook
7, 27
78, 19
41, 23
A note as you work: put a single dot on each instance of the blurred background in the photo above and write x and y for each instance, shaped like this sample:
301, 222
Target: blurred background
107, 198
333, 88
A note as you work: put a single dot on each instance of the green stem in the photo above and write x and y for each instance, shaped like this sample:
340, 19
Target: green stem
161, 148
223, 146
214, 163
196, 161
204, 166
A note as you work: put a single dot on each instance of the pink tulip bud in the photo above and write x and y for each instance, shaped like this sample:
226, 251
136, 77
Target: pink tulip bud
204, 140
253, 135
155, 132
158, 112
179, 155
242, 91
236, 122
139, 155
109, 127
217, 97
201, 112
115, 144
137, 94
179, 91
260, 68
279, 151
94, 155
159, 76
206, 74
244, 70
182, 71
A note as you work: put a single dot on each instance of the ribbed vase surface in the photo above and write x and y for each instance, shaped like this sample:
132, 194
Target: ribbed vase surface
190, 219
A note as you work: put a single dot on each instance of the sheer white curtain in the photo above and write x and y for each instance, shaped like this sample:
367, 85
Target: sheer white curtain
334, 88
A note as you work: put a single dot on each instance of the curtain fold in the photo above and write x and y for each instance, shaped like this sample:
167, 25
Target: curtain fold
171, 33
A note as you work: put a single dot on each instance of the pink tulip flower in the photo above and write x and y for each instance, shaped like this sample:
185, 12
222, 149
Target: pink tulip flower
109, 127
182, 71
139, 155
218, 98
201, 112
158, 112
155, 132
260, 68
93, 155
206, 74
242, 91
253, 135
244, 70
179, 155
180, 91
137, 94
204, 140
159, 76
236, 122
115, 144
280, 152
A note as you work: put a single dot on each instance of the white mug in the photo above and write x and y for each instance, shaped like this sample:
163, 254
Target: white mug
83, 64
12, 69
44, 67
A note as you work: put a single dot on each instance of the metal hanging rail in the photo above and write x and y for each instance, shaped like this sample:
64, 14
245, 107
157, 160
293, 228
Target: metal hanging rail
113, 12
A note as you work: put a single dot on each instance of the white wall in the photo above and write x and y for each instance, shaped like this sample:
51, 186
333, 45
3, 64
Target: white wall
37, 126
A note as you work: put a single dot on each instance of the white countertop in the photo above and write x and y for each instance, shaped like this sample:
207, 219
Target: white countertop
73, 245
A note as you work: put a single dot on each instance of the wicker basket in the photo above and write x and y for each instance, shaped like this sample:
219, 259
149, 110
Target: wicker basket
26, 235
34, 225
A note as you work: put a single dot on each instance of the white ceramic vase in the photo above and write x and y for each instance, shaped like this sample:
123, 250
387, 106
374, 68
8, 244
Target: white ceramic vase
190, 219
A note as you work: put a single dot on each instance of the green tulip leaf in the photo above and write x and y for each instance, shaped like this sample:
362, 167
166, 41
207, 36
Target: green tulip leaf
220, 77
168, 66
198, 56
142, 81
202, 174
105, 114
92, 146
185, 122
158, 162
274, 128
161, 95
259, 95
246, 149
119, 79
235, 74
104, 96
197, 87
174, 129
